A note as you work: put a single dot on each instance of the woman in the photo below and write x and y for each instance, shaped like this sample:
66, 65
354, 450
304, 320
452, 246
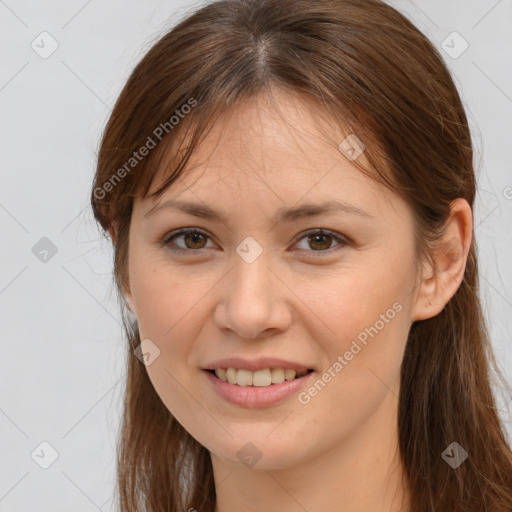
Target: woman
289, 189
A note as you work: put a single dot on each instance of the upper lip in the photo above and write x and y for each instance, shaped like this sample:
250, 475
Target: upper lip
256, 364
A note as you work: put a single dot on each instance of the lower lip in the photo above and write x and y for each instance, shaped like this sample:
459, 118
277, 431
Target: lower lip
257, 396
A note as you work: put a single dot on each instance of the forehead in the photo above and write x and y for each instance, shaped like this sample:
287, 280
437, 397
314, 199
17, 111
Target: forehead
269, 148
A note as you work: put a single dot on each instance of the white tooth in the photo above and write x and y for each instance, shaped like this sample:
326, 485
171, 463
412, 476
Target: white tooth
289, 374
277, 375
221, 373
244, 378
261, 378
231, 375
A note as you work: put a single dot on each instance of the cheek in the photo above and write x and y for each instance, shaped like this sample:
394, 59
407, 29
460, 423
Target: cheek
366, 313
165, 311
168, 302
165, 296
356, 299
362, 357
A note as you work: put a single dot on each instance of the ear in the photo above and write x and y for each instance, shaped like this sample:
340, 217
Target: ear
128, 297
112, 231
439, 283
129, 302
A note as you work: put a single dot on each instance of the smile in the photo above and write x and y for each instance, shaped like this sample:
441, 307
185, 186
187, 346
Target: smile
254, 391
259, 378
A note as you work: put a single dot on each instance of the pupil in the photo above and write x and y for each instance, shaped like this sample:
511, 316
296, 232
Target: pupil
320, 236
195, 237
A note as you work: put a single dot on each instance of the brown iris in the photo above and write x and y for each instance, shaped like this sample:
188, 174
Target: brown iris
317, 237
196, 239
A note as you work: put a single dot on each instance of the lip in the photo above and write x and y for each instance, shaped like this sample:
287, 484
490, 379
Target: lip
255, 396
256, 364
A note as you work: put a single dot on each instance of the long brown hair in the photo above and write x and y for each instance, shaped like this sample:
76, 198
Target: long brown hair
366, 67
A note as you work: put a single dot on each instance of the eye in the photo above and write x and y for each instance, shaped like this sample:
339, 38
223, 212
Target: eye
195, 239
320, 240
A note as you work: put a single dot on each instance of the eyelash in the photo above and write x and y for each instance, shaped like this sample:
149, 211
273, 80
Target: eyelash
185, 231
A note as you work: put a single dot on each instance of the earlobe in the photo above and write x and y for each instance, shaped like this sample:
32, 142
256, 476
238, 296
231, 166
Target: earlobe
129, 302
442, 281
113, 232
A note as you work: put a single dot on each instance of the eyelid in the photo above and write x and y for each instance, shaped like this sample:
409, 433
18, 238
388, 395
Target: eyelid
342, 240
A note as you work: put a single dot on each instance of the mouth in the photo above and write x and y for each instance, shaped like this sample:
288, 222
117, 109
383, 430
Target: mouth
261, 388
267, 377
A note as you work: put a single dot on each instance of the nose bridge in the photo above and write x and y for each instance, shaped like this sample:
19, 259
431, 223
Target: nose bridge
252, 299
251, 273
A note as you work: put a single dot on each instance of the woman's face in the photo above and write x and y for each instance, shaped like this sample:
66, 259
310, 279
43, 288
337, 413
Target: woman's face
260, 284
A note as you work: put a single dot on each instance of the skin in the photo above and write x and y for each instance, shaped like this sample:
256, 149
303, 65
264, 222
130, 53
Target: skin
339, 451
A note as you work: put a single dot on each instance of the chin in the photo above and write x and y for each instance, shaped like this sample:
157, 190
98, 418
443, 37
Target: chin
260, 453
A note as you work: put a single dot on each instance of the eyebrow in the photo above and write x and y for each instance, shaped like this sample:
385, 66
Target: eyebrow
285, 214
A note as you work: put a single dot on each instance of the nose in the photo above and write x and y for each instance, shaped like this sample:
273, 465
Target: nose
254, 301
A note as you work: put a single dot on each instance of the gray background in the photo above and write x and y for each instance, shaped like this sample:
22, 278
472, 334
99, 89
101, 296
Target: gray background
62, 368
